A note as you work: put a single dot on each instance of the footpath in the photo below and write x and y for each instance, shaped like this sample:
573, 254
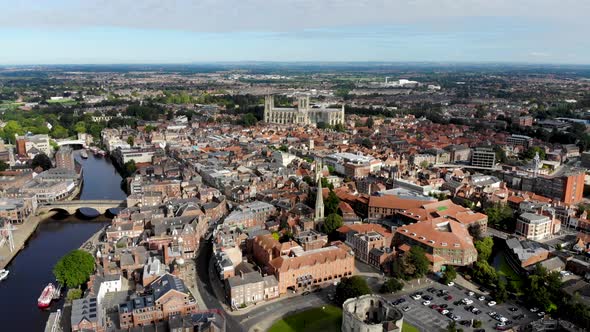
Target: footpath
20, 234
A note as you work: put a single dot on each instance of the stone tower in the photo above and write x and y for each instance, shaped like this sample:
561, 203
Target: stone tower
269, 104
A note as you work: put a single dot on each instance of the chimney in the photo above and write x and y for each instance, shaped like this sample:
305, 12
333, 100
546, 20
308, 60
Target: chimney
242, 274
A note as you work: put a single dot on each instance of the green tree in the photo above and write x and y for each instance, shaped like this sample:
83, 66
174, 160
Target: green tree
74, 268
354, 286
417, 257
484, 273
424, 164
59, 131
367, 143
449, 275
327, 184
248, 120
500, 294
530, 153
11, 129
130, 167
370, 122
331, 223
501, 216
391, 285
80, 127
477, 324
3, 166
484, 248
74, 294
339, 127
130, 140
41, 160
331, 203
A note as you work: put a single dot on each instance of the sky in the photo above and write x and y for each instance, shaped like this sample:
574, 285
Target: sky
186, 31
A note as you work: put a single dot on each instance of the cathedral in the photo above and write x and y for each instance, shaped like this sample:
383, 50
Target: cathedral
303, 114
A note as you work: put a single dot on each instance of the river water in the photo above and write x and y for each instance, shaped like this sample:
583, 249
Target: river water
31, 270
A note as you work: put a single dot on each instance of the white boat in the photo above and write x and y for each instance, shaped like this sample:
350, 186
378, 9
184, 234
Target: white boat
4, 274
84, 154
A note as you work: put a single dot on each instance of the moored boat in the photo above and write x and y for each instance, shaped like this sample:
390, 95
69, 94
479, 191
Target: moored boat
4, 274
84, 154
46, 297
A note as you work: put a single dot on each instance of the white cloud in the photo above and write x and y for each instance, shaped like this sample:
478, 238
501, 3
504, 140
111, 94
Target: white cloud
271, 15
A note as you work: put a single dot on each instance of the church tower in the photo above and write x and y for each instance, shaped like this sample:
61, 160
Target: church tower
269, 104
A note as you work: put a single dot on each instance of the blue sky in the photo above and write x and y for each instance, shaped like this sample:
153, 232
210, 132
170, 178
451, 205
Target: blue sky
180, 31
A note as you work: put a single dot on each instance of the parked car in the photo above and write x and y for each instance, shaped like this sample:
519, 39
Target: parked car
448, 297
471, 293
426, 303
427, 297
513, 309
444, 305
416, 296
541, 314
535, 309
431, 290
465, 322
406, 308
434, 306
481, 298
451, 284
491, 303
444, 312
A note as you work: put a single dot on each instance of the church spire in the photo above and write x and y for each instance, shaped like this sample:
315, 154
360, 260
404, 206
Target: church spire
319, 202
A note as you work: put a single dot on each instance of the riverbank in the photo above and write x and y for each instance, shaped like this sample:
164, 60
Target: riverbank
21, 234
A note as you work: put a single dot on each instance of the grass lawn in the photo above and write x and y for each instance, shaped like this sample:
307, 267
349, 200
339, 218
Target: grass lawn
316, 319
409, 328
506, 270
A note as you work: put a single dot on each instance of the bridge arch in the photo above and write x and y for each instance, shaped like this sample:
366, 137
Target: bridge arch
87, 213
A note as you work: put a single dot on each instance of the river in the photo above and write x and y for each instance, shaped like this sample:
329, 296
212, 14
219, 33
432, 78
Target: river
31, 269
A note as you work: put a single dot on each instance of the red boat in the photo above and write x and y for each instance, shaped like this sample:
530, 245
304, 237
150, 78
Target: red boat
46, 297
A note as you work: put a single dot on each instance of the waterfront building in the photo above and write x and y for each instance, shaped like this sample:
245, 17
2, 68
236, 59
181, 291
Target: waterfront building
303, 114
64, 158
536, 227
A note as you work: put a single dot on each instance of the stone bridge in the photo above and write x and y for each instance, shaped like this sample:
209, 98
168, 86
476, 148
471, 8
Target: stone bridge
62, 142
71, 207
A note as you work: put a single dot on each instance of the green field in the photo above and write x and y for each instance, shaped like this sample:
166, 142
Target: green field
67, 101
316, 319
504, 269
409, 328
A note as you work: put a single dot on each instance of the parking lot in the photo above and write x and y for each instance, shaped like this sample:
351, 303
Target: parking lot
428, 319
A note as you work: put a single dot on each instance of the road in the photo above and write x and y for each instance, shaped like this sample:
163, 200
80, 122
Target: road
206, 291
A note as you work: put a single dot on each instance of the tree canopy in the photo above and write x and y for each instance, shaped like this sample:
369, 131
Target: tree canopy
449, 275
413, 264
354, 286
41, 160
331, 202
331, 223
501, 216
74, 268
484, 248
391, 285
